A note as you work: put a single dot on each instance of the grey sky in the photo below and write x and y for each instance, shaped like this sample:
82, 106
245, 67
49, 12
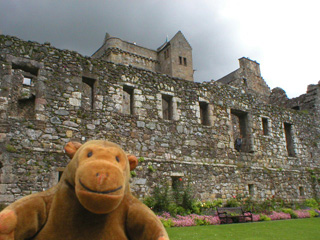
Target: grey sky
220, 32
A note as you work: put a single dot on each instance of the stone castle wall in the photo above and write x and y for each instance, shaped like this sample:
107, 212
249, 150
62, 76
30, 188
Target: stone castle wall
72, 97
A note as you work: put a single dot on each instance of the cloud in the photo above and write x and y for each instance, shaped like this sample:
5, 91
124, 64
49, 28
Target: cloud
281, 35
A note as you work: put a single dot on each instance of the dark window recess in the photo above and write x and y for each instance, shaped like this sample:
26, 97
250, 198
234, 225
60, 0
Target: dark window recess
204, 113
185, 61
296, 108
167, 111
240, 131
176, 182
289, 139
27, 69
88, 92
251, 189
265, 126
26, 108
127, 104
180, 60
301, 191
28, 72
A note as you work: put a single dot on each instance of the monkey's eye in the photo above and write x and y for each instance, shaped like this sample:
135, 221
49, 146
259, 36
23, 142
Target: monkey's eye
89, 154
118, 159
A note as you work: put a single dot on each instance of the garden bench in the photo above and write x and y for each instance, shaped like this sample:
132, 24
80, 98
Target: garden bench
233, 214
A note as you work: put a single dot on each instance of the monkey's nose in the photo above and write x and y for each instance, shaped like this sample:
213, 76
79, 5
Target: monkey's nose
101, 177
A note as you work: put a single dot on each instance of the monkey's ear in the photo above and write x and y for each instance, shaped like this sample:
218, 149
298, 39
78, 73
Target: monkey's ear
71, 148
133, 161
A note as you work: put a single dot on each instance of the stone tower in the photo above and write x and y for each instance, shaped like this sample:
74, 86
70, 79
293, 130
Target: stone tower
173, 58
248, 76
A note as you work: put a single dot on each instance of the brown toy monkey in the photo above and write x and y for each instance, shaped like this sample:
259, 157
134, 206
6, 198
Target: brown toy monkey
92, 201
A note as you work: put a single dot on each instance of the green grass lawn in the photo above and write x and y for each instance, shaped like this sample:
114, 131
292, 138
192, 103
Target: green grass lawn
306, 229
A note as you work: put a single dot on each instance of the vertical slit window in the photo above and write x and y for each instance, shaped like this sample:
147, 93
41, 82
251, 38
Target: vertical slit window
204, 113
176, 182
185, 61
167, 111
180, 60
240, 131
128, 102
265, 126
88, 93
251, 189
289, 139
301, 191
26, 107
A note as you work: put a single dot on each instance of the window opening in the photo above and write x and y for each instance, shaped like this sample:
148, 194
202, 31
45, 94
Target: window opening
28, 72
180, 60
240, 130
301, 191
296, 108
204, 113
289, 139
251, 189
26, 68
185, 61
176, 182
127, 104
26, 108
265, 126
167, 107
88, 93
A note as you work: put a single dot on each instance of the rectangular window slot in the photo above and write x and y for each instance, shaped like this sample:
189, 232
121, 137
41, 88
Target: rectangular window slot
167, 111
240, 131
88, 93
127, 104
185, 61
180, 60
176, 182
265, 126
251, 189
26, 108
289, 139
27, 69
301, 191
204, 113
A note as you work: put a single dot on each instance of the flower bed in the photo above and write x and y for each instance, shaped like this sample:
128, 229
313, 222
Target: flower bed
197, 220
189, 220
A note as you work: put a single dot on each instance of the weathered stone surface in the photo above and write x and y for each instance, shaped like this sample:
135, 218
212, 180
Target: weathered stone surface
185, 146
62, 112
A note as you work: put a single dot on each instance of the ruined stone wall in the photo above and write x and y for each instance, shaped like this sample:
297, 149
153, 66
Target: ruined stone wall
248, 76
80, 98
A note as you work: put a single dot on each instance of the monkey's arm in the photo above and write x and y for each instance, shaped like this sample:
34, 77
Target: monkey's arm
143, 224
24, 218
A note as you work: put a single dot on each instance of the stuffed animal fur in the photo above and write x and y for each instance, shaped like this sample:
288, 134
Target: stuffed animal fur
92, 201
